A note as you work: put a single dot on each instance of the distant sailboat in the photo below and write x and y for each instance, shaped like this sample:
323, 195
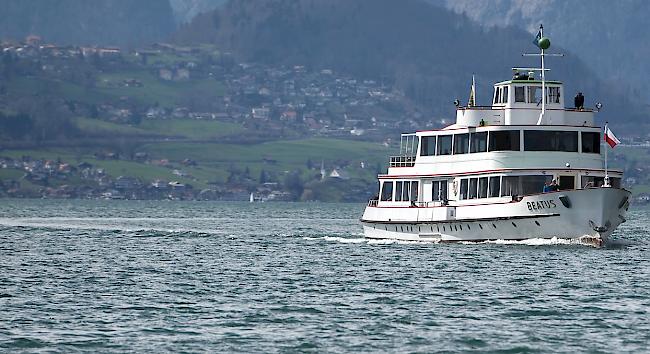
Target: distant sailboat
252, 198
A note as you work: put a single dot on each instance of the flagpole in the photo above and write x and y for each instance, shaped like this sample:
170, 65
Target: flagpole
606, 181
541, 115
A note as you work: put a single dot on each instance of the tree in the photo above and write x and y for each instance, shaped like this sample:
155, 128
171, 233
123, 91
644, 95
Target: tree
293, 183
263, 177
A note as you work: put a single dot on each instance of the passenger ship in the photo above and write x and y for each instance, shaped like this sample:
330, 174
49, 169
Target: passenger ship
483, 177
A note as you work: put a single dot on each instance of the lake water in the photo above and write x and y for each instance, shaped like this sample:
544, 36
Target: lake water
277, 277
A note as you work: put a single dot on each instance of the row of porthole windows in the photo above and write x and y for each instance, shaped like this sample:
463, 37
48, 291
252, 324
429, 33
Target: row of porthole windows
452, 227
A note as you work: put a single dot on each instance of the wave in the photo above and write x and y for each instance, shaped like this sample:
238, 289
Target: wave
529, 242
130, 225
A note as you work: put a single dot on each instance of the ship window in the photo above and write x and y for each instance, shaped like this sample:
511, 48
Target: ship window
463, 188
590, 182
533, 184
504, 140
483, 187
444, 145
504, 96
523, 185
479, 142
495, 184
519, 94
497, 95
534, 94
546, 140
553, 95
406, 191
387, 191
590, 142
414, 190
510, 185
428, 146
461, 143
473, 185
398, 191
439, 191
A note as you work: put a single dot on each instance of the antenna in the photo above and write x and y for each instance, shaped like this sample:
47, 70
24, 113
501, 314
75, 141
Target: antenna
542, 43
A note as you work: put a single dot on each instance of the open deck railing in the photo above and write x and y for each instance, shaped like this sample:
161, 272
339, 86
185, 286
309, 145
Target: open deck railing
373, 202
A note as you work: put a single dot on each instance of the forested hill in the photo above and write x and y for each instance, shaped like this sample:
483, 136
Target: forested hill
611, 34
430, 52
126, 23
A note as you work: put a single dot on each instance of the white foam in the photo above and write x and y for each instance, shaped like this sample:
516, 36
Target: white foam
537, 242
344, 239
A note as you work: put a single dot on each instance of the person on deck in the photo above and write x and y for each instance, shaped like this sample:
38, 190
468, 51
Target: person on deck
547, 188
579, 101
553, 187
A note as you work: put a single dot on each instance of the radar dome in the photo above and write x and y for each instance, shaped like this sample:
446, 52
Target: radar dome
544, 43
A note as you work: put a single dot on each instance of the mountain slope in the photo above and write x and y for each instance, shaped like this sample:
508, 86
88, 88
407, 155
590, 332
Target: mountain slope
82, 22
609, 35
427, 51
186, 10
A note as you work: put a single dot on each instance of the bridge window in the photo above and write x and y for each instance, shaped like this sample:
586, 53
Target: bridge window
553, 95
534, 94
519, 94
444, 145
495, 186
501, 94
547, 140
439, 191
479, 142
387, 191
504, 140
590, 142
461, 143
428, 146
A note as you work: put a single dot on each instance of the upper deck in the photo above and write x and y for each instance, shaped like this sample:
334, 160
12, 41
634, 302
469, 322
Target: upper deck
519, 102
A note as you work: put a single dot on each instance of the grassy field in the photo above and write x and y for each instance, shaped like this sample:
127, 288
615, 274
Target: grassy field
191, 129
155, 90
109, 87
29, 86
279, 156
215, 160
99, 127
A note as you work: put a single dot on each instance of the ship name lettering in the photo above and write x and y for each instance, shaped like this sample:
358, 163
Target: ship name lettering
541, 204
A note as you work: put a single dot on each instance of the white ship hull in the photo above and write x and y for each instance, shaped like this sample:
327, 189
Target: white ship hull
589, 214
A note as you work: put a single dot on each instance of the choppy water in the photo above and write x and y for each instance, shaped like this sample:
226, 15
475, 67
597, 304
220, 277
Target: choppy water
183, 276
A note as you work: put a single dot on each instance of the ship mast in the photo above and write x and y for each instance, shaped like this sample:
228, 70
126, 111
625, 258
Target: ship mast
542, 43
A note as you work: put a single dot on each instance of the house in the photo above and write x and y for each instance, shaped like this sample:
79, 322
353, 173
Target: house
166, 74
339, 174
182, 74
125, 182
260, 113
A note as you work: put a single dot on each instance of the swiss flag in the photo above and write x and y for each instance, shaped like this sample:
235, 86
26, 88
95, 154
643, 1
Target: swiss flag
610, 138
